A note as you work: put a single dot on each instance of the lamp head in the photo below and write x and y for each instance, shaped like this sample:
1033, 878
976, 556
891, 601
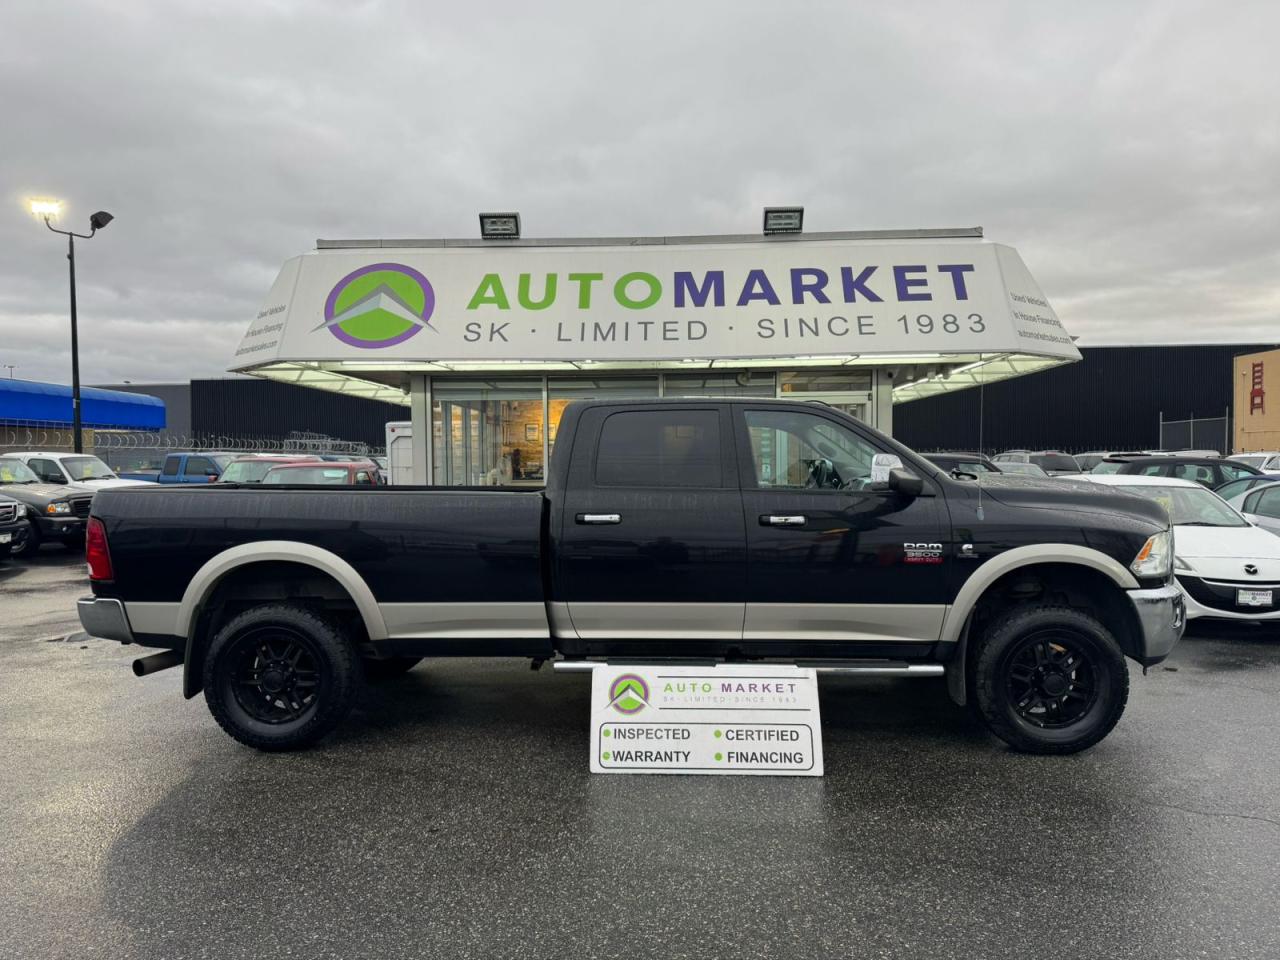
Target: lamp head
100, 219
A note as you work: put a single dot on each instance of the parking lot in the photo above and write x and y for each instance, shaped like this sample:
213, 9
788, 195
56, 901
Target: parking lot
453, 816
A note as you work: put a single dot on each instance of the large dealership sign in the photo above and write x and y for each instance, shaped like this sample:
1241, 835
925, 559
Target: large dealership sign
654, 301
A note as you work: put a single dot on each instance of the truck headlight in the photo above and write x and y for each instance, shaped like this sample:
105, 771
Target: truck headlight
58, 507
1155, 559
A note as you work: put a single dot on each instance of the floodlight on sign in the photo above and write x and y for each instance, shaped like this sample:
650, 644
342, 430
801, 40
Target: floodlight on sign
500, 226
783, 219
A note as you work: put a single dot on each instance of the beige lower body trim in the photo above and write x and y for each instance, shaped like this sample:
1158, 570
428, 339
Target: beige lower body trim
465, 620
657, 621
159, 618
867, 622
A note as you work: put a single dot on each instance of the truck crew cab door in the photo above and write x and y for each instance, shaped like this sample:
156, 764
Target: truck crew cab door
650, 540
837, 564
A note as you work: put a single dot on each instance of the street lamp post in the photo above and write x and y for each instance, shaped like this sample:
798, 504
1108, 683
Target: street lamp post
47, 210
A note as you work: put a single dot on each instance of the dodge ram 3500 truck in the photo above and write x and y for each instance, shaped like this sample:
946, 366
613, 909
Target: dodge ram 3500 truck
670, 529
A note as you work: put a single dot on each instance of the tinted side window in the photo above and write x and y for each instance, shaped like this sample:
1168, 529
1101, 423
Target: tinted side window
1267, 503
1232, 472
46, 470
171, 466
1194, 471
199, 467
660, 448
801, 450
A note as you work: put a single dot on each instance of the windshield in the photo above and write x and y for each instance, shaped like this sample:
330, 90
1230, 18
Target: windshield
1108, 466
1190, 506
1087, 461
1023, 469
1055, 461
1233, 488
316, 474
87, 468
15, 471
247, 471
1255, 462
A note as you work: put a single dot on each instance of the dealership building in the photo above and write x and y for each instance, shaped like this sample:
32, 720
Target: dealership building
482, 343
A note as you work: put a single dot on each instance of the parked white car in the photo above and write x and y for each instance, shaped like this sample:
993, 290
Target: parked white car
1261, 506
1268, 461
80, 471
1227, 567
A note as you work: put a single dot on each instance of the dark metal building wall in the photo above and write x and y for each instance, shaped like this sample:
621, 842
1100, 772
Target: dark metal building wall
265, 408
1111, 400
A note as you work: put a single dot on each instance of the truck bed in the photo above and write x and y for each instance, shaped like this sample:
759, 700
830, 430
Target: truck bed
412, 545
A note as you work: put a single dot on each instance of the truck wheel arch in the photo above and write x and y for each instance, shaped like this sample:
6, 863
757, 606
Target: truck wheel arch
955, 626
216, 569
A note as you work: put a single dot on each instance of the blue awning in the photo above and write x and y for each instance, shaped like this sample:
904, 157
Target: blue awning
29, 402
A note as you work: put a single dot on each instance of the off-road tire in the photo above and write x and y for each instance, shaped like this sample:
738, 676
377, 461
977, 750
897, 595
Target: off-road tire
237, 681
388, 667
1003, 670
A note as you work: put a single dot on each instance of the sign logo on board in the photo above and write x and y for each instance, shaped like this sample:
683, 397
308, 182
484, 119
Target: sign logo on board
629, 694
379, 306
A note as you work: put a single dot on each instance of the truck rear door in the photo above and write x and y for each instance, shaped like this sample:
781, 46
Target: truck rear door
651, 542
834, 558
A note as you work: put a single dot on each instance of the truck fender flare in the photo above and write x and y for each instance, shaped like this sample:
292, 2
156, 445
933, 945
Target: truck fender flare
955, 626
1028, 556
217, 567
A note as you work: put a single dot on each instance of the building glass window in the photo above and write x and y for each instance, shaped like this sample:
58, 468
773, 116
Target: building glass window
726, 384
561, 391
824, 381
487, 432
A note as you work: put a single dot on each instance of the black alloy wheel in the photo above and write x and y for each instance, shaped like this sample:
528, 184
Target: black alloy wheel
1050, 679
276, 673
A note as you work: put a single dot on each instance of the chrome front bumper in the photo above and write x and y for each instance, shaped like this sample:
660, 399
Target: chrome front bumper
1162, 613
105, 618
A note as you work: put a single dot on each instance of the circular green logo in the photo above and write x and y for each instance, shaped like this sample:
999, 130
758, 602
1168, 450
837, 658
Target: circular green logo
629, 694
379, 306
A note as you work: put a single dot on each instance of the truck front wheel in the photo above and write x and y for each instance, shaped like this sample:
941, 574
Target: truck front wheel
1050, 679
279, 676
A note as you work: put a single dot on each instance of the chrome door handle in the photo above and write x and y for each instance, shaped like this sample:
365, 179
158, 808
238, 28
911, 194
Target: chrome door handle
599, 518
787, 520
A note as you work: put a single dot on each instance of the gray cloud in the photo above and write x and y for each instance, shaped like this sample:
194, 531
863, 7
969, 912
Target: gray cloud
1130, 151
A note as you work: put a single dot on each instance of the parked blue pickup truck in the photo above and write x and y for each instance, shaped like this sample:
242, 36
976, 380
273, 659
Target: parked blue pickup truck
681, 530
185, 468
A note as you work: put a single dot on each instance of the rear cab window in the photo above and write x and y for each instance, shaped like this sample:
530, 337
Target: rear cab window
660, 448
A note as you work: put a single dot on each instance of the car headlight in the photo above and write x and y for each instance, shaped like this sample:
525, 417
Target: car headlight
1155, 559
59, 507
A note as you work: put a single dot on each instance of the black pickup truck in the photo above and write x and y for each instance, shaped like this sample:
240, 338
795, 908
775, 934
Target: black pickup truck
682, 529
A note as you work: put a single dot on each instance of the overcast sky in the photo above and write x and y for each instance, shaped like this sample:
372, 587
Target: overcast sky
1130, 151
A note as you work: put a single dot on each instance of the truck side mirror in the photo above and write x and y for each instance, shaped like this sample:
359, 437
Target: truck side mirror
905, 483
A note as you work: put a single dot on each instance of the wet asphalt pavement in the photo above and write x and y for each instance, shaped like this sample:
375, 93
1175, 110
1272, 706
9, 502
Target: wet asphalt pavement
453, 816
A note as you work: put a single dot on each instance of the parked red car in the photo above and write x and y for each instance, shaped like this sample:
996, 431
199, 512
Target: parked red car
341, 473
252, 467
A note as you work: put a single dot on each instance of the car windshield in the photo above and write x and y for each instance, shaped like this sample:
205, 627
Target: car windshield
87, 468
316, 474
1023, 469
1108, 466
966, 466
1056, 461
15, 471
1233, 488
1255, 462
247, 471
1190, 506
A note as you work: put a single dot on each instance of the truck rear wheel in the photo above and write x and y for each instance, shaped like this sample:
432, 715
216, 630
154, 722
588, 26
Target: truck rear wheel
279, 677
1050, 679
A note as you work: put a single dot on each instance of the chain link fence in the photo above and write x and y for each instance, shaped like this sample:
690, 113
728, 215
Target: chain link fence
142, 450
1196, 433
